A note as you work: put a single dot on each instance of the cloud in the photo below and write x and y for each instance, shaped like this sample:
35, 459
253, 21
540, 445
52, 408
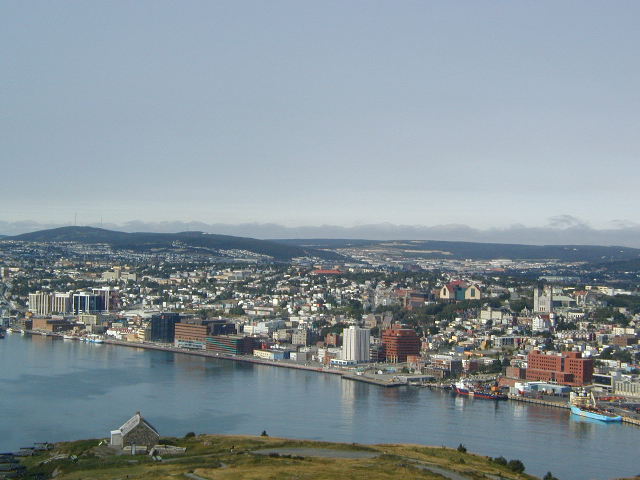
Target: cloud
561, 230
566, 221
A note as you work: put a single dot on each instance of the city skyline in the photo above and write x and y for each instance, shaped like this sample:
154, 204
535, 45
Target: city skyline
482, 114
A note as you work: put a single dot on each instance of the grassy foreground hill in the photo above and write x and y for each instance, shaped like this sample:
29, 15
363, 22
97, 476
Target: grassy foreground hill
262, 458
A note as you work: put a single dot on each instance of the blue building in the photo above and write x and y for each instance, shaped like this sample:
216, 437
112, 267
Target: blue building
163, 327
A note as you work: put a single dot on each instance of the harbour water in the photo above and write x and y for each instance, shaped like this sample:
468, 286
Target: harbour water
53, 390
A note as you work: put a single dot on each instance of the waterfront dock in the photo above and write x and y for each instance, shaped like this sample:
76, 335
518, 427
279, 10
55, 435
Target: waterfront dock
631, 420
625, 418
381, 382
539, 401
235, 358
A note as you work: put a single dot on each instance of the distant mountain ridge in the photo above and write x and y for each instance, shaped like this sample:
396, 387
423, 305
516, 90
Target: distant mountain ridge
145, 241
482, 251
284, 250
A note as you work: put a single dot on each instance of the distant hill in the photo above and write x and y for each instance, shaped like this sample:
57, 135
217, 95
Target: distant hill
144, 241
480, 251
622, 266
327, 242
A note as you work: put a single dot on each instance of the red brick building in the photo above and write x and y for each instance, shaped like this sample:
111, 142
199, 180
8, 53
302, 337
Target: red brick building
400, 342
191, 335
333, 340
568, 368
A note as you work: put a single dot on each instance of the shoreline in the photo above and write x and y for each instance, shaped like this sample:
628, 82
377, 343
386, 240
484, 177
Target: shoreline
346, 375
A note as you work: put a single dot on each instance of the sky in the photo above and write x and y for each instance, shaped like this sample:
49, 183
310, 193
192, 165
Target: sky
484, 114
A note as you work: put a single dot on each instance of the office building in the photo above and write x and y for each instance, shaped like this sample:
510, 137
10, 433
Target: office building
163, 327
400, 342
61, 303
191, 335
231, 344
566, 368
108, 297
40, 303
85, 302
355, 344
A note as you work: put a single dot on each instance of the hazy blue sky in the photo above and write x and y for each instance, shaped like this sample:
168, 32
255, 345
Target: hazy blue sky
303, 113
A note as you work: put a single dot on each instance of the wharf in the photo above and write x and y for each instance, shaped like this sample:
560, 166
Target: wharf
625, 418
439, 386
539, 401
631, 421
235, 358
374, 381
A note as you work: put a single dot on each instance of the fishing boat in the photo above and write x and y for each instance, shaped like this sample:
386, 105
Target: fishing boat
584, 404
468, 389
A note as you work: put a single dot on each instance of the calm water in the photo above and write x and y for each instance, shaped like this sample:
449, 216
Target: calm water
52, 390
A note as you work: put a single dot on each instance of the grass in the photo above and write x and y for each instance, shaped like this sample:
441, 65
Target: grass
230, 457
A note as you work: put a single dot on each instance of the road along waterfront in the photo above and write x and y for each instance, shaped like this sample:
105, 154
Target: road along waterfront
52, 390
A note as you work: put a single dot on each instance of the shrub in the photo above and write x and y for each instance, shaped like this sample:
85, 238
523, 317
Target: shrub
264, 433
190, 435
549, 476
462, 448
516, 466
500, 461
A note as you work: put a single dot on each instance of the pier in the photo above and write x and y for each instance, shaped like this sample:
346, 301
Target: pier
539, 401
381, 382
235, 358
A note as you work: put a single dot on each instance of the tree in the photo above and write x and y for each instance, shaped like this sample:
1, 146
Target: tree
515, 466
494, 367
549, 476
264, 433
462, 449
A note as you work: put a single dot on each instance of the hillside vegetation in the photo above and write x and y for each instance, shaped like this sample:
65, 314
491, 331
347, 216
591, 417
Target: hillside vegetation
479, 251
260, 458
143, 241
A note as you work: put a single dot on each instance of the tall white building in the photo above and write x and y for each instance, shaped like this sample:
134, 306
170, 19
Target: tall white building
61, 303
40, 303
355, 344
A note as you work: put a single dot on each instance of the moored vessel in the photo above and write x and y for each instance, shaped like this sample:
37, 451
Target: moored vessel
584, 404
93, 339
470, 390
